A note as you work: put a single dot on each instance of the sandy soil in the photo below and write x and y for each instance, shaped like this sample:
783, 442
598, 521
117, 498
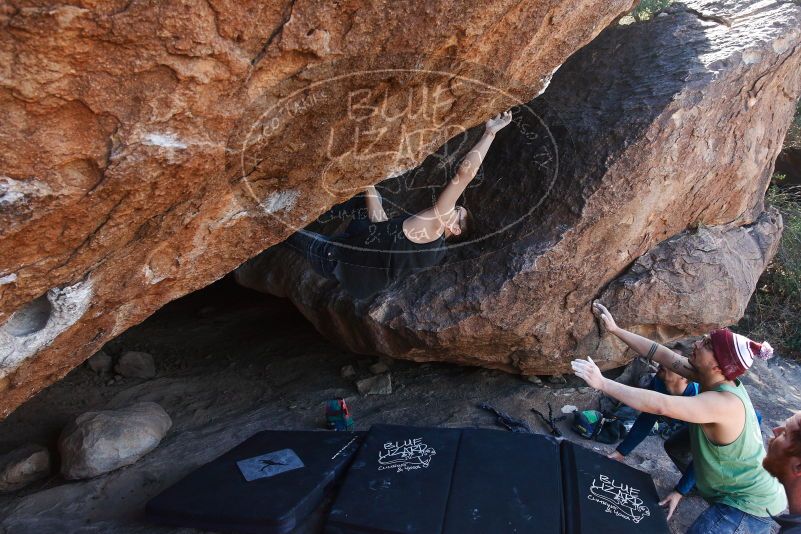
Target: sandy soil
231, 363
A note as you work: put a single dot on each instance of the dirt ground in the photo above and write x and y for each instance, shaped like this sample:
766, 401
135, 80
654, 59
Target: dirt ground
231, 363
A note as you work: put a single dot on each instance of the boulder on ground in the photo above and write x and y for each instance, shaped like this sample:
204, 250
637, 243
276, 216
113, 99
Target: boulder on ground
378, 368
375, 385
23, 466
348, 371
135, 364
100, 363
694, 282
100, 442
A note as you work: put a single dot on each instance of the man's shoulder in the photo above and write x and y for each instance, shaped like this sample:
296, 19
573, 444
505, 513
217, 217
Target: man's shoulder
720, 401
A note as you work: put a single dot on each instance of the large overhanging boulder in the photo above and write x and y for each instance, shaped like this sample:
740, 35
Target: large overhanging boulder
651, 129
148, 146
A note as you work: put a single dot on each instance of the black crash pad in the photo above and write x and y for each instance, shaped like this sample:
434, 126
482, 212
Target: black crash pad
505, 482
399, 482
602, 495
290, 474
428, 480
465, 481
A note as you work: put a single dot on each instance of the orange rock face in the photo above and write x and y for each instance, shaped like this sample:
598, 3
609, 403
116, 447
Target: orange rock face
148, 148
645, 190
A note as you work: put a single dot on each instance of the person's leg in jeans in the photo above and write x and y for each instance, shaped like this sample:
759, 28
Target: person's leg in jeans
723, 519
677, 448
316, 248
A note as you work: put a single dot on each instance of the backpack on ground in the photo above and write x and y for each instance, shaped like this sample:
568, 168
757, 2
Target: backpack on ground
591, 424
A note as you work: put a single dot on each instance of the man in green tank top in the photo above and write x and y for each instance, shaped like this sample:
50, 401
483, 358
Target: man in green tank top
723, 431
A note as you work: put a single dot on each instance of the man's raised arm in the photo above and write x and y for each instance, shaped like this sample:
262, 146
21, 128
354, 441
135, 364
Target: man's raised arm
645, 347
707, 407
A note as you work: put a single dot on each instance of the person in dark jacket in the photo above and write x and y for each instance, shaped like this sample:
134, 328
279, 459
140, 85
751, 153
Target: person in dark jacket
784, 462
372, 254
668, 383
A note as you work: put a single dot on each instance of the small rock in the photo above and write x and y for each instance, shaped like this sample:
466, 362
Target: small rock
584, 390
649, 466
375, 385
110, 382
534, 379
100, 363
22, 466
100, 442
348, 371
378, 368
136, 365
568, 408
557, 379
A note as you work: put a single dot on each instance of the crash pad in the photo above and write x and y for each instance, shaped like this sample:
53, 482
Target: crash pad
268, 484
603, 495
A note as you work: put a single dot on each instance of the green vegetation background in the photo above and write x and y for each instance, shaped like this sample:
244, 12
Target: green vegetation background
774, 313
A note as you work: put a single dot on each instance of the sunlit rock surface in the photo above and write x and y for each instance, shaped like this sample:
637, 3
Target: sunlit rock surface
148, 148
652, 129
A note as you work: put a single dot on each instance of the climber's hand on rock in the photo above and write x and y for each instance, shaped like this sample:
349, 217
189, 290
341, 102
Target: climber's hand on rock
615, 455
589, 372
498, 122
606, 318
671, 502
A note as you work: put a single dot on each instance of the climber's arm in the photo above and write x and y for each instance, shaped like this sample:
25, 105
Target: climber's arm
468, 168
429, 224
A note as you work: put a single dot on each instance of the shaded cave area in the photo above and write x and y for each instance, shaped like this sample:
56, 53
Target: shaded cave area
224, 351
231, 362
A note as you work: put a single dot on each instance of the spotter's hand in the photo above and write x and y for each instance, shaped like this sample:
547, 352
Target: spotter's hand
589, 372
606, 318
498, 122
671, 502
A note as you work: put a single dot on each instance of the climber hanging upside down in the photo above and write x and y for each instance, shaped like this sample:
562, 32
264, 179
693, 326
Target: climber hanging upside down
375, 251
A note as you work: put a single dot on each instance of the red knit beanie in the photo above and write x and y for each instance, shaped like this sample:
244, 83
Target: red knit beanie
735, 353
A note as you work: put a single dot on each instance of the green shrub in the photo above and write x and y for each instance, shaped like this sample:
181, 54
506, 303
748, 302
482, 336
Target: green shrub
774, 312
647, 8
